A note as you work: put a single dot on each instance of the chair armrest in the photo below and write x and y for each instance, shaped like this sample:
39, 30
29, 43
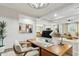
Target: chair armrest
24, 42
29, 49
25, 51
28, 44
37, 48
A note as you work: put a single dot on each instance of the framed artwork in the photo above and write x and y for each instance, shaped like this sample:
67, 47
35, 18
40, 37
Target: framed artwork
25, 28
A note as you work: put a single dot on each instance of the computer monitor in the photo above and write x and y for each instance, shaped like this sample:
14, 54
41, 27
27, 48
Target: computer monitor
46, 34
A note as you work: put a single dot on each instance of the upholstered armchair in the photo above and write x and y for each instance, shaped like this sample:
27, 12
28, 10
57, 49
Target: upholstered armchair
25, 51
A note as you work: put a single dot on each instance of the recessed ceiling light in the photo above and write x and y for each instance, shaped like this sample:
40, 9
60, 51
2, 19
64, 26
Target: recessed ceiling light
55, 15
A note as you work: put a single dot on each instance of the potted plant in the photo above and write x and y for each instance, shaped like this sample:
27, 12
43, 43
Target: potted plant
2, 32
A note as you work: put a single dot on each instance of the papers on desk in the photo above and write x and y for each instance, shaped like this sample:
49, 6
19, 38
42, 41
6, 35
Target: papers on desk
43, 44
47, 45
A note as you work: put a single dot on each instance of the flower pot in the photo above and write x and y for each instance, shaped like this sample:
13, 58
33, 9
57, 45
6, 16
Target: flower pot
1, 42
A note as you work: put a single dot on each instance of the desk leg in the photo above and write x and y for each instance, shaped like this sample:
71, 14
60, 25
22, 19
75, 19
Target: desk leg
39, 51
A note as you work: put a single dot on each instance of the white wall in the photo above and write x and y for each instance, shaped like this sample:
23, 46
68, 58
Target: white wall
12, 19
45, 23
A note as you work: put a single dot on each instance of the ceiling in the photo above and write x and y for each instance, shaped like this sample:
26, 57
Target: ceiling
53, 12
24, 8
62, 15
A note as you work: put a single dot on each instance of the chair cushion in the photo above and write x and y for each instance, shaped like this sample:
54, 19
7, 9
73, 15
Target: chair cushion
27, 48
18, 46
33, 53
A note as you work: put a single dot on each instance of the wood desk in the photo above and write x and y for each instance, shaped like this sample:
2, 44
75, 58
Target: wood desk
57, 50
